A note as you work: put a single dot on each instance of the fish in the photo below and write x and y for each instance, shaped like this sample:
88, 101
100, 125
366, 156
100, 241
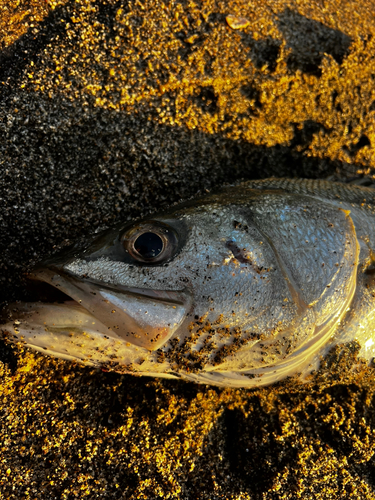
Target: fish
239, 288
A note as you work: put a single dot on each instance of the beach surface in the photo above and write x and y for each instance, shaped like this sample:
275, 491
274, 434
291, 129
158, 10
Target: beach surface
110, 110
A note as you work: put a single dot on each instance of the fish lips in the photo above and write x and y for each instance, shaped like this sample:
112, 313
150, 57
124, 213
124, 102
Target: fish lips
143, 317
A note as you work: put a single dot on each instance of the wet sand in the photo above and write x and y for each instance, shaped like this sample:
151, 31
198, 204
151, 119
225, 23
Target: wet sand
109, 110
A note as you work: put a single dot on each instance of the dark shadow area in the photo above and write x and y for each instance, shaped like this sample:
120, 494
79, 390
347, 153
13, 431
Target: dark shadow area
206, 99
248, 448
362, 142
249, 453
303, 136
253, 94
336, 104
263, 52
309, 40
7, 356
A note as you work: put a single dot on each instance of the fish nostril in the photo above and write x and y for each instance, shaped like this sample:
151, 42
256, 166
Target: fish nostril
242, 255
238, 253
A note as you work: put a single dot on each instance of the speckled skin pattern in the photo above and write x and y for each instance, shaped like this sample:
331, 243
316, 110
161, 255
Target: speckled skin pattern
278, 272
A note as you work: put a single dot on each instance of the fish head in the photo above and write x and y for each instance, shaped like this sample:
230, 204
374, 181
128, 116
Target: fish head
201, 288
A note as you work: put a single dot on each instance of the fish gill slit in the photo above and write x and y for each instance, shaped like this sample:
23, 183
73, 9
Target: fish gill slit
240, 255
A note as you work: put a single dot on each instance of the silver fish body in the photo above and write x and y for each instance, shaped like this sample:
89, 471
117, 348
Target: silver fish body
241, 288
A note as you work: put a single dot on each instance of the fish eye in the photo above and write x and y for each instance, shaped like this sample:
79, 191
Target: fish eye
152, 242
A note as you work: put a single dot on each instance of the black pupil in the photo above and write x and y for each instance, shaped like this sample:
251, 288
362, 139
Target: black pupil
148, 245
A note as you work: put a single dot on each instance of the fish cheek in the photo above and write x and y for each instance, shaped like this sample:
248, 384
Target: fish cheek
240, 295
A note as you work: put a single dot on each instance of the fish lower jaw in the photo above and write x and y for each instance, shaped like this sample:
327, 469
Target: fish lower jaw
63, 330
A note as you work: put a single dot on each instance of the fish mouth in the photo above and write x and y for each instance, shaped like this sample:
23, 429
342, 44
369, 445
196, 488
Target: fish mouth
143, 318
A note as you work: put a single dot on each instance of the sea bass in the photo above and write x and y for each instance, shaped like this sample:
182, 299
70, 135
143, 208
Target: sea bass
241, 288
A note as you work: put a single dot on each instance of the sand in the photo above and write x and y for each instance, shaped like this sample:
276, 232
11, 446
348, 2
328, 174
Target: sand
112, 109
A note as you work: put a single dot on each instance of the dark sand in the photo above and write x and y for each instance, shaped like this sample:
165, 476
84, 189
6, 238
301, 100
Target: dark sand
110, 109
